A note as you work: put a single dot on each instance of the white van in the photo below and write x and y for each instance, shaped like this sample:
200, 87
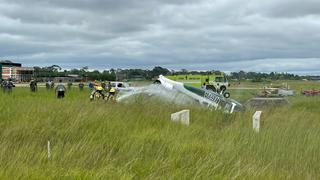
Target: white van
121, 86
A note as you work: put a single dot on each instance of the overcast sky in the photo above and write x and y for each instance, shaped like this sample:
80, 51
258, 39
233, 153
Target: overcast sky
228, 35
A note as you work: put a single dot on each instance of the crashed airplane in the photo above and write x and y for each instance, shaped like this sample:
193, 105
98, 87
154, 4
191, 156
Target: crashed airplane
205, 97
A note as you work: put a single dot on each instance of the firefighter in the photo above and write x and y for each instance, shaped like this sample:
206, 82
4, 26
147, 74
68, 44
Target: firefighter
97, 88
112, 93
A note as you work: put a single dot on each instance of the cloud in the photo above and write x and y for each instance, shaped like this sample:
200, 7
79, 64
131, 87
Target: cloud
229, 35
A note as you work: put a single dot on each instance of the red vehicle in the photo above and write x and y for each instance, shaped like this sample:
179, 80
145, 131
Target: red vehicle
310, 92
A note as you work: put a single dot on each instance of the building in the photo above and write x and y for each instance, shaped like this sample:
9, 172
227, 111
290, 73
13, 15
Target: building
69, 78
315, 78
15, 71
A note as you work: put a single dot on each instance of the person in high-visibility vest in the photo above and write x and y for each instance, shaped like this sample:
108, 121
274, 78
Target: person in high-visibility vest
112, 93
97, 89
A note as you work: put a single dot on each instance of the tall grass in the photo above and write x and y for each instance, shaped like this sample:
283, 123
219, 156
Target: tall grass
136, 140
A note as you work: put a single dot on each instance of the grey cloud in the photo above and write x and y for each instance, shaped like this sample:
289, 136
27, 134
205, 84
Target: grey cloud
225, 34
287, 8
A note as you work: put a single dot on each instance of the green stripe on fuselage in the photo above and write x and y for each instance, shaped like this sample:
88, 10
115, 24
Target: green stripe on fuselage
197, 91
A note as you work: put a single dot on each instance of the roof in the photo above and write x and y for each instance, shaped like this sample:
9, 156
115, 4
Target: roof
6, 63
73, 75
315, 78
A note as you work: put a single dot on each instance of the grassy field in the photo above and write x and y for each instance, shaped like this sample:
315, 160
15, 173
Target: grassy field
136, 140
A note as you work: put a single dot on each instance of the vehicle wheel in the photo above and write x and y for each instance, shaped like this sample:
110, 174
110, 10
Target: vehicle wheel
223, 88
226, 94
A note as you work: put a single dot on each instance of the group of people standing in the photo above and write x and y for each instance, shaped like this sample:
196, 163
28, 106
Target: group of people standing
99, 89
60, 88
6, 86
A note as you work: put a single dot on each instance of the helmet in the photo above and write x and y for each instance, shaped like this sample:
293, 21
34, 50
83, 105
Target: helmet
99, 88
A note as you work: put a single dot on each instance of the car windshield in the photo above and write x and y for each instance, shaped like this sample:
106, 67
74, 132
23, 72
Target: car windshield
220, 79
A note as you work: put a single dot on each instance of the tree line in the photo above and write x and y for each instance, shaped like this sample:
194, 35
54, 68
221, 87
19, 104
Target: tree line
109, 75
260, 77
145, 74
56, 71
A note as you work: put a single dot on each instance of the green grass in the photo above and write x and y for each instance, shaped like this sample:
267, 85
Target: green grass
136, 140
297, 85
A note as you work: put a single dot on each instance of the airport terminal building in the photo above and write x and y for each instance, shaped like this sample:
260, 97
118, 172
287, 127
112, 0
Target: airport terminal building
15, 71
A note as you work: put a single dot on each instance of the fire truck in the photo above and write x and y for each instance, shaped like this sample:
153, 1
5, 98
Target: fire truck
216, 82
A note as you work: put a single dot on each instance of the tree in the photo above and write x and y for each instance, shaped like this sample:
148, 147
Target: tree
156, 71
242, 75
6, 61
84, 69
54, 68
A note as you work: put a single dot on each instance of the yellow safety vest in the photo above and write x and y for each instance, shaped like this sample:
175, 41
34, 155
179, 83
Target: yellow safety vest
112, 90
